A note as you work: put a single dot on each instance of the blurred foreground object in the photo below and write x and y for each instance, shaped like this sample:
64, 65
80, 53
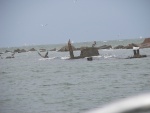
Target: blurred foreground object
136, 104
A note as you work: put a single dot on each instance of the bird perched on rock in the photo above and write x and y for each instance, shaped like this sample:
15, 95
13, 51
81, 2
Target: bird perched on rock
93, 45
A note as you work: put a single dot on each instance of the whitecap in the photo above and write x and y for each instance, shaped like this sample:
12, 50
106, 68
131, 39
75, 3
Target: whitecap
64, 58
47, 58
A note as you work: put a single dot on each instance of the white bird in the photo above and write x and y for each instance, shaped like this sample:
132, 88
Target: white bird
74, 1
44, 25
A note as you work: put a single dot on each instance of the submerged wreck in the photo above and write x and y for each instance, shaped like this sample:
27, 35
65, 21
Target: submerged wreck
85, 52
136, 52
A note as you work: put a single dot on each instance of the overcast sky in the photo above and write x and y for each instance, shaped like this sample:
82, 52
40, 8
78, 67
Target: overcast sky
26, 22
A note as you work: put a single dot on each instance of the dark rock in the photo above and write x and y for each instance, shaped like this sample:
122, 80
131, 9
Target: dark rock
130, 46
89, 51
65, 48
146, 43
12, 56
32, 49
119, 47
17, 51
42, 50
89, 58
22, 50
105, 47
78, 48
9, 57
53, 49
140, 56
147, 40
7, 51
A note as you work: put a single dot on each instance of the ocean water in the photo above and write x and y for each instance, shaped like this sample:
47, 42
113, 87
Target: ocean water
31, 84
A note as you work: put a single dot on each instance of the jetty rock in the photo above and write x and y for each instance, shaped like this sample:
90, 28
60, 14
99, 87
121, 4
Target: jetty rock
89, 51
130, 46
145, 43
105, 47
7, 51
66, 48
147, 40
22, 50
42, 50
19, 51
119, 47
32, 49
16, 50
54, 49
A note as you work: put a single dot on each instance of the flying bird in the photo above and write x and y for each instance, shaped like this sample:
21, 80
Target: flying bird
74, 1
43, 25
44, 56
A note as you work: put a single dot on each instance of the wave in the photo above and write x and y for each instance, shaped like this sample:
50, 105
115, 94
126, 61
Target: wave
52, 58
103, 57
65, 58
47, 58
100, 57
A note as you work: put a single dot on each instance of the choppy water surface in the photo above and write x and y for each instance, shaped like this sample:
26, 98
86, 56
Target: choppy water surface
30, 84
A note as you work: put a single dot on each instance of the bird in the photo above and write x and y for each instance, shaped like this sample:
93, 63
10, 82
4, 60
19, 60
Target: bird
44, 56
43, 25
93, 45
74, 1
1, 57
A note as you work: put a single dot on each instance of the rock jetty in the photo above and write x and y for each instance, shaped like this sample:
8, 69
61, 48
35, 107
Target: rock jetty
66, 48
20, 50
145, 43
32, 49
105, 47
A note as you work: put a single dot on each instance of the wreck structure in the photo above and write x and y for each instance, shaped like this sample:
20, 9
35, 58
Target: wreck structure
136, 53
85, 52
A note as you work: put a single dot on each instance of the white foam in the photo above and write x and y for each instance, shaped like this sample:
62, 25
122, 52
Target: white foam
136, 48
64, 58
47, 58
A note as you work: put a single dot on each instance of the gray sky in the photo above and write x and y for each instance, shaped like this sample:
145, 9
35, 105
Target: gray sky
55, 21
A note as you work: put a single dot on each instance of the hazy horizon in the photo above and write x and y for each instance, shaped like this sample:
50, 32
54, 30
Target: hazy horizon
37, 22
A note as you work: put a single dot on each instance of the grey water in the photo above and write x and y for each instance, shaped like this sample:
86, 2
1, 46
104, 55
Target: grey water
31, 84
